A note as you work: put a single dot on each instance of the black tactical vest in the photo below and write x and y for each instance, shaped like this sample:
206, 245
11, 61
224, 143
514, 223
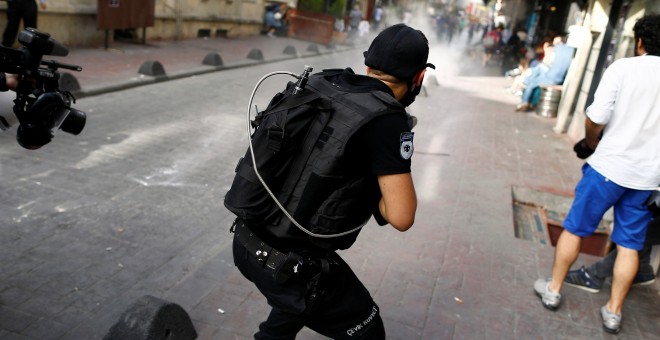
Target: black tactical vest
316, 186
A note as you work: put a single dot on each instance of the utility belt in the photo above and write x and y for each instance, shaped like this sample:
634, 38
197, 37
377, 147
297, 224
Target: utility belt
283, 265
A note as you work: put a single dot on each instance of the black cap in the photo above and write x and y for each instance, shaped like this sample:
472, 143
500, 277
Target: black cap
399, 50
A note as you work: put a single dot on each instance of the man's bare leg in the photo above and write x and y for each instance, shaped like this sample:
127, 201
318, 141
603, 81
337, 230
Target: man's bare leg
566, 252
625, 268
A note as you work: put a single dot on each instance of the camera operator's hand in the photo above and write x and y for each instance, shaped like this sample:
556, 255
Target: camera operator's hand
11, 80
582, 149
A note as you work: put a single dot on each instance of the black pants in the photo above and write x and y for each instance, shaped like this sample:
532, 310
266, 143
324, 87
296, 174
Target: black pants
17, 10
344, 311
604, 268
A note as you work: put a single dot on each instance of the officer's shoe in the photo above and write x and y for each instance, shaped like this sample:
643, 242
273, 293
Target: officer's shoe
611, 321
581, 279
550, 299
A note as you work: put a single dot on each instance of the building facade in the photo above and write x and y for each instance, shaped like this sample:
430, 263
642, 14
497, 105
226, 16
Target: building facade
604, 35
75, 22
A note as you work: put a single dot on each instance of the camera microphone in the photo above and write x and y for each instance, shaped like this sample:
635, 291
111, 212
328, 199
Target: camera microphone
41, 41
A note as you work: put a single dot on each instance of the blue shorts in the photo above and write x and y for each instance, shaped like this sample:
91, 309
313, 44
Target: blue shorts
594, 195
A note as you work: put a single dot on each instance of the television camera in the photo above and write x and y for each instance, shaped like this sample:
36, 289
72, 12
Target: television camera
40, 106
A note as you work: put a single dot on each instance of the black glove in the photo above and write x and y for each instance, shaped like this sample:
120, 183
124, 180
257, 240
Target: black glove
582, 149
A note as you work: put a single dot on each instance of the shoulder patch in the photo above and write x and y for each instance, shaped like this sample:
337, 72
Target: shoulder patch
406, 146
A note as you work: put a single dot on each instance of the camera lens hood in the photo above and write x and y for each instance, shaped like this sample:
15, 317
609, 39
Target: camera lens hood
33, 137
74, 122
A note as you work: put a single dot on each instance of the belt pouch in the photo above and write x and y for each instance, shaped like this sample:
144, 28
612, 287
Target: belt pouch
288, 268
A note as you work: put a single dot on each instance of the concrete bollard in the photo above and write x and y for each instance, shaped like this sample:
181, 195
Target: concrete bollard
313, 48
68, 82
290, 50
152, 68
212, 59
256, 54
151, 318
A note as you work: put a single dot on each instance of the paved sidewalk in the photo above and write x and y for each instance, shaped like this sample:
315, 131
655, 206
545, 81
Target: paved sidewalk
459, 273
118, 67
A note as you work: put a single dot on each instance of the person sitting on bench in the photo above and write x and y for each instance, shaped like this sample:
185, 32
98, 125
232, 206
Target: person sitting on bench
553, 74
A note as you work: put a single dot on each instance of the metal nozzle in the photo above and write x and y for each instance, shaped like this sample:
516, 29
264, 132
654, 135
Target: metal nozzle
302, 80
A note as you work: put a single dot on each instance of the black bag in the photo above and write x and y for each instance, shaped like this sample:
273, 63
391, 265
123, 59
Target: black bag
653, 203
282, 130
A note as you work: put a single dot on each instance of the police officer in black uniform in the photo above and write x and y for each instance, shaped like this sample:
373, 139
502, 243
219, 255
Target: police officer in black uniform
305, 282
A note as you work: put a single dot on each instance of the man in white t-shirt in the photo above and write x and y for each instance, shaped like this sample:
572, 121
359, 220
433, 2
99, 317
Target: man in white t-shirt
623, 133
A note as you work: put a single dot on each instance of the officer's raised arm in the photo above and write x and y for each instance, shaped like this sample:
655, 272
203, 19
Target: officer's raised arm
403, 72
399, 201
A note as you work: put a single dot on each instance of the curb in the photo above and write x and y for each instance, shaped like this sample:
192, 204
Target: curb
312, 51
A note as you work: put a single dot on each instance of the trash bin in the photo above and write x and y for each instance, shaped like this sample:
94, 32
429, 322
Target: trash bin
549, 101
116, 15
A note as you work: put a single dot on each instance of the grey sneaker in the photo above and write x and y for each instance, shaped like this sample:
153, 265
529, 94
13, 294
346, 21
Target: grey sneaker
549, 299
611, 321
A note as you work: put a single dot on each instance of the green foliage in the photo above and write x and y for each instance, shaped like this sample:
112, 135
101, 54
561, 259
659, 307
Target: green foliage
311, 5
336, 8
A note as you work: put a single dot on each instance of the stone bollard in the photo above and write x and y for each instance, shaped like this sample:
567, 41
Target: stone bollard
212, 59
290, 50
151, 318
256, 54
152, 68
68, 82
313, 48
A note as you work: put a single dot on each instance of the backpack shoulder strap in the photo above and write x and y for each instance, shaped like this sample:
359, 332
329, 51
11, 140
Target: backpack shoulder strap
291, 101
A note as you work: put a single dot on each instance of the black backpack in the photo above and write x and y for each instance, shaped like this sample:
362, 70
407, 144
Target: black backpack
280, 132
297, 144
